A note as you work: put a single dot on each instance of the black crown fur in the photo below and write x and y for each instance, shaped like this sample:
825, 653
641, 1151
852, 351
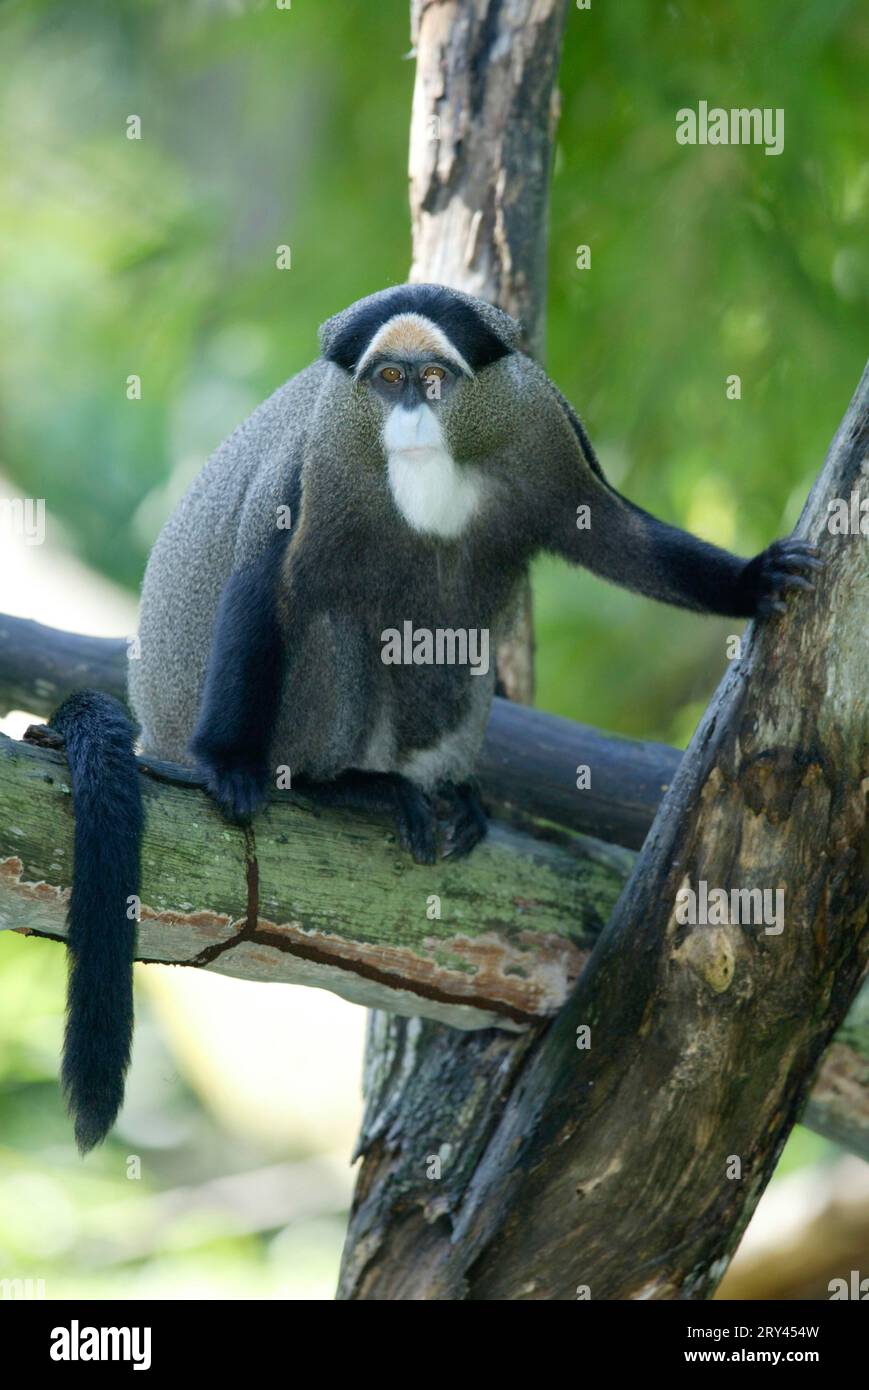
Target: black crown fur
473, 338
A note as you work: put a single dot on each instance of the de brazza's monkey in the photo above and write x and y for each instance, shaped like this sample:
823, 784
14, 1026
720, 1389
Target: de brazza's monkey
409, 475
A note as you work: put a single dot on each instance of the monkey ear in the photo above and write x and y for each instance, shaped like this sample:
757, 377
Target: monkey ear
334, 328
508, 329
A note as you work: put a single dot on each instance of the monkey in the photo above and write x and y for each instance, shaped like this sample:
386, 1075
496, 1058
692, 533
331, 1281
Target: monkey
412, 472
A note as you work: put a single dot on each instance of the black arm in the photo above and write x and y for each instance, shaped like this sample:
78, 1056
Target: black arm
242, 692
620, 542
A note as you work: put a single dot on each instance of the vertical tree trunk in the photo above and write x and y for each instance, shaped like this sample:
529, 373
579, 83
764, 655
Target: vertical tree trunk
484, 113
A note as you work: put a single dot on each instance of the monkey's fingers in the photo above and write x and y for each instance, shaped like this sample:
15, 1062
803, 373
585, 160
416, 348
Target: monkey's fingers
466, 822
415, 823
238, 791
782, 566
795, 554
768, 606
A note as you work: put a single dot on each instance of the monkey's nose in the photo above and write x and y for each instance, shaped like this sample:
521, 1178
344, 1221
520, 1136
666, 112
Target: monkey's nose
412, 427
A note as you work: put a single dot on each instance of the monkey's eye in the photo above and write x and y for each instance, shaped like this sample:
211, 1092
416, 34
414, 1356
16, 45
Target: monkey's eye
391, 375
433, 373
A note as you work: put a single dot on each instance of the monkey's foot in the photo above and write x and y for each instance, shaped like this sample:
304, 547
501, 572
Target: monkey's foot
415, 821
238, 790
782, 566
465, 822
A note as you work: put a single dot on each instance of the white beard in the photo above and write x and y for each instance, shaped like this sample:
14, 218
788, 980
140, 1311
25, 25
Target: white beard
433, 494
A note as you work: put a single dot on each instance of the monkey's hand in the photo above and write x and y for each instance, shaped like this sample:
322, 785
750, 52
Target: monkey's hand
767, 578
238, 788
465, 822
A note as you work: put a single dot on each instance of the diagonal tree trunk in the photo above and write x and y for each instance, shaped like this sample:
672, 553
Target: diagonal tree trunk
629, 1168
633, 1168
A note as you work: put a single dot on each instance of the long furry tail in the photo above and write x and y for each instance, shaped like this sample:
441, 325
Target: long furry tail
107, 806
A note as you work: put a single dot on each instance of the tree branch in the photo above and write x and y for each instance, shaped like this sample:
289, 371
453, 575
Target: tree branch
527, 766
499, 945
527, 771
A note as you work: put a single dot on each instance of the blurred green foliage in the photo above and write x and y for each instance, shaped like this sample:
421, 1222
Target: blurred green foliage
263, 127
157, 257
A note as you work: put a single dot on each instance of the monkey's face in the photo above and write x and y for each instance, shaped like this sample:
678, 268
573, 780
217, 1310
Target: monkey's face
439, 440
411, 391
431, 402
431, 382
411, 395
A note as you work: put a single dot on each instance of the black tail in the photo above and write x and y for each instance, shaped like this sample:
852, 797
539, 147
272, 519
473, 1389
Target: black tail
102, 922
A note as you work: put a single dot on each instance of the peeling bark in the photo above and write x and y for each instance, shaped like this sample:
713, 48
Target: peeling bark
484, 110
325, 900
